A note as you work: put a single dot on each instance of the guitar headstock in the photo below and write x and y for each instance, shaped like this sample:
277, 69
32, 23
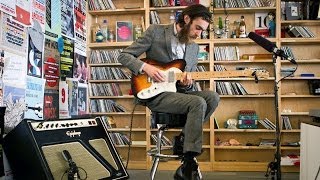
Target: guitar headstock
259, 73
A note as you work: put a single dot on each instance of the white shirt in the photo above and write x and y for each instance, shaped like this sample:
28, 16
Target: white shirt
178, 49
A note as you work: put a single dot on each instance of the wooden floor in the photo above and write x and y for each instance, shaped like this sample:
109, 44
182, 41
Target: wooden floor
168, 175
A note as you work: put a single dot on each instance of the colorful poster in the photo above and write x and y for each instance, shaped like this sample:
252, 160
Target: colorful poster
51, 65
63, 100
67, 56
23, 11
67, 19
15, 71
13, 99
73, 96
14, 34
80, 48
1, 64
261, 24
82, 99
53, 19
34, 98
51, 105
1, 97
80, 68
8, 6
80, 20
80, 26
39, 12
35, 49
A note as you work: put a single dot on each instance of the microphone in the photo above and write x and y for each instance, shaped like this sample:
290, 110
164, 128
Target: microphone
66, 155
73, 171
269, 46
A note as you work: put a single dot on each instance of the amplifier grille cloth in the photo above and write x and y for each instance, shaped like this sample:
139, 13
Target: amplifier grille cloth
58, 165
100, 146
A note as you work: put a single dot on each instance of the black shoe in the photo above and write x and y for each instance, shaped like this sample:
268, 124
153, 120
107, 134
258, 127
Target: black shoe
178, 144
189, 170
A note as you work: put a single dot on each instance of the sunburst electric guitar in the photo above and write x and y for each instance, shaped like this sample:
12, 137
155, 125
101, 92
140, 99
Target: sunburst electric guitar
145, 88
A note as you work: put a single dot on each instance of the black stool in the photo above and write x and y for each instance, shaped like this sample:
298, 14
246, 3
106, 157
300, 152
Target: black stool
163, 121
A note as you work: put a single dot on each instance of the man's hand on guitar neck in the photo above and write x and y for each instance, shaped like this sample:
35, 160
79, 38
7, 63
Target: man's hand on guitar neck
186, 80
153, 72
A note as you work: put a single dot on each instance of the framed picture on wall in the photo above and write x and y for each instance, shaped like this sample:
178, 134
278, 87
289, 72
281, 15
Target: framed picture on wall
124, 31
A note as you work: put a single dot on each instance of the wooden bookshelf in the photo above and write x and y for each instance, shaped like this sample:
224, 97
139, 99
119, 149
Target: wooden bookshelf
294, 100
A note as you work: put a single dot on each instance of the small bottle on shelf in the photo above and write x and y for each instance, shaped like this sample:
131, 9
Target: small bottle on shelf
110, 35
226, 28
104, 29
237, 27
99, 35
220, 23
242, 28
137, 31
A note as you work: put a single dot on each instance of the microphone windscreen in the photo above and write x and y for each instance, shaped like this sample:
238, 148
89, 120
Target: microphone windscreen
263, 42
66, 155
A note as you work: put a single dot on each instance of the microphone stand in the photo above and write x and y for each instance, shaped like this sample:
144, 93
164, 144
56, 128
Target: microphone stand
275, 167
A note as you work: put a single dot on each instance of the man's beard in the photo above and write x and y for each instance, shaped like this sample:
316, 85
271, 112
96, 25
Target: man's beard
183, 35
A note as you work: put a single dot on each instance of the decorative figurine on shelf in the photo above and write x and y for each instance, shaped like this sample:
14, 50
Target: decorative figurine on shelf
242, 28
271, 24
204, 34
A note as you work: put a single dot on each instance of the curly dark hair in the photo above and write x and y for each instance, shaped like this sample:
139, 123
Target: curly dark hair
194, 11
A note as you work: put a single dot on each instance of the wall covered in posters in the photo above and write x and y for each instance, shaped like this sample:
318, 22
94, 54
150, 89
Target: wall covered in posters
42, 43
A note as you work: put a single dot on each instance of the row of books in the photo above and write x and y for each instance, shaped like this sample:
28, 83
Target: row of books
267, 124
219, 67
286, 124
162, 3
164, 141
230, 88
243, 3
105, 56
201, 68
227, 53
197, 86
104, 89
110, 122
101, 5
287, 71
119, 138
300, 31
288, 51
105, 106
154, 18
109, 73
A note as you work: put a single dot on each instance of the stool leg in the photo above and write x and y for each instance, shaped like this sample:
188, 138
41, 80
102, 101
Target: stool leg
156, 157
154, 167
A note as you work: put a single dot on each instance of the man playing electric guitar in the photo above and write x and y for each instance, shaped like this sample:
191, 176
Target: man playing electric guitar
164, 43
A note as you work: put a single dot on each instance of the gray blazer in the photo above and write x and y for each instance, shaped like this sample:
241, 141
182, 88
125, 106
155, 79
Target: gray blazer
156, 42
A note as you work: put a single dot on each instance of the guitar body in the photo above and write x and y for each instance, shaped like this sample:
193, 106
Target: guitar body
145, 88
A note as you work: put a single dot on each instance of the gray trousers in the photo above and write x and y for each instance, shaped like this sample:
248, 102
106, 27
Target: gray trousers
198, 105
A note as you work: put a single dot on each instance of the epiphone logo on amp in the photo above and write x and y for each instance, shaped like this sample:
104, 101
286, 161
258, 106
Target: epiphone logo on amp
73, 133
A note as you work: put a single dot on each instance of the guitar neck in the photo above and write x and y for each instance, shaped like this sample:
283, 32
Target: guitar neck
215, 74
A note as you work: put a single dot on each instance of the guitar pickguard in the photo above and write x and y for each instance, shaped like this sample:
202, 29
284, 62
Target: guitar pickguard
169, 85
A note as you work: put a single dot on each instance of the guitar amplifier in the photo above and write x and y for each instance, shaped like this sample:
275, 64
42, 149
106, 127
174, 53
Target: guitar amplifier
35, 150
